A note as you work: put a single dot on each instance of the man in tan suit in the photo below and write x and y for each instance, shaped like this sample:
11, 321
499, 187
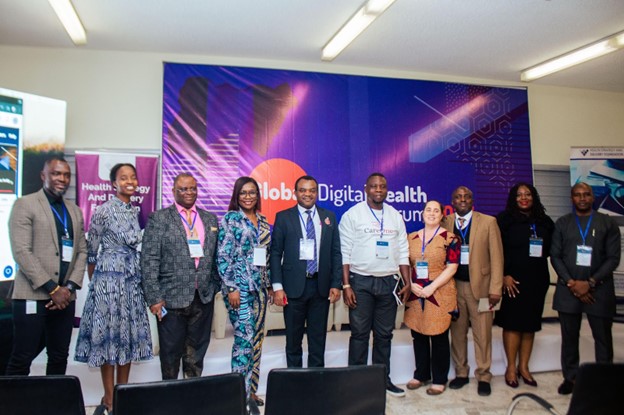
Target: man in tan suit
49, 246
479, 276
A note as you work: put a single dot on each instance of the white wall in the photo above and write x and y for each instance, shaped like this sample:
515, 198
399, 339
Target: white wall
115, 98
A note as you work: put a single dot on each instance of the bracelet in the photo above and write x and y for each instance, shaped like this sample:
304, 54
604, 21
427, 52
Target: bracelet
346, 286
55, 290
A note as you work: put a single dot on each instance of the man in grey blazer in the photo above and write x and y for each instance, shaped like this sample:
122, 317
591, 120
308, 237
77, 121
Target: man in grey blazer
48, 243
586, 249
180, 278
306, 267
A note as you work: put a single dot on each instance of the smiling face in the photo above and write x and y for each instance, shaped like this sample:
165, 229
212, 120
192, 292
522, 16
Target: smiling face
185, 191
126, 182
583, 199
376, 191
306, 193
432, 214
462, 201
56, 176
248, 197
524, 199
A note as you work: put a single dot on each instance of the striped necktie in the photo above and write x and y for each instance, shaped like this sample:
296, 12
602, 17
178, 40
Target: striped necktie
311, 234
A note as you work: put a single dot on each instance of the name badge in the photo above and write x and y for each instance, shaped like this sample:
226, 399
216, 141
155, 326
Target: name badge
464, 255
535, 247
68, 249
422, 270
382, 250
583, 255
31, 307
259, 256
195, 248
306, 249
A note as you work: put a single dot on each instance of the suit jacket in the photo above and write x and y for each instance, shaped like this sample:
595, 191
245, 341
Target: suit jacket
168, 270
604, 238
286, 267
35, 246
485, 263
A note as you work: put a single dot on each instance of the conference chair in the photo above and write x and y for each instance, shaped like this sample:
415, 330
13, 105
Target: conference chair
50, 395
597, 391
218, 394
353, 390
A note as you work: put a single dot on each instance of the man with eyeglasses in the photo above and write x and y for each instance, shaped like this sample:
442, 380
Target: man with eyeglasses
180, 278
305, 272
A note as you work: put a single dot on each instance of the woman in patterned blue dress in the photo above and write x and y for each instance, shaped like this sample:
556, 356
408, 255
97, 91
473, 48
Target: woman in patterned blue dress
114, 330
244, 238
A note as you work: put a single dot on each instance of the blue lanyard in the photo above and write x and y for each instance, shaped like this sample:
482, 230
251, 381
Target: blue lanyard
64, 220
578, 222
424, 245
305, 225
380, 221
464, 232
190, 226
533, 230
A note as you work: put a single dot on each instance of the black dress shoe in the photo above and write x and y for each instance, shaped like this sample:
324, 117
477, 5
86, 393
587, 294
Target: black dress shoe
458, 383
484, 389
566, 387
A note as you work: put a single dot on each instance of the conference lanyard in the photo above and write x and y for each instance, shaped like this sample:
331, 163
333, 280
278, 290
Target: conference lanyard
464, 232
190, 226
64, 220
533, 230
424, 245
578, 223
380, 221
305, 224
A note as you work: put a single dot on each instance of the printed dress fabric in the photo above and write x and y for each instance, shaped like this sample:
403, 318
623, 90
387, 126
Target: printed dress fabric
237, 239
524, 311
114, 328
433, 319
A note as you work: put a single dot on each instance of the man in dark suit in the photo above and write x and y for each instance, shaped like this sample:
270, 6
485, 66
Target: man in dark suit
48, 243
479, 276
585, 251
180, 278
305, 271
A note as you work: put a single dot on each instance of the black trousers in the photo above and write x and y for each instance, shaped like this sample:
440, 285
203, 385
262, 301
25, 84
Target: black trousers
49, 328
184, 333
376, 310
433, 357
306, 313
570, 333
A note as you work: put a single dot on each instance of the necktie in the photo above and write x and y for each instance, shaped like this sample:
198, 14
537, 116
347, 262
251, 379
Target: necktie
189, 221
311, 234
461, 222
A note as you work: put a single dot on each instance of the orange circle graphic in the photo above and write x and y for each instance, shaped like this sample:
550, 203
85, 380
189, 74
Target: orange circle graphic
276, 178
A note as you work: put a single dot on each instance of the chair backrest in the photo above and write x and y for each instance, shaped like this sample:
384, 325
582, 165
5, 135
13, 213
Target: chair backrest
598, 389
49, 395
219, 394
353, 390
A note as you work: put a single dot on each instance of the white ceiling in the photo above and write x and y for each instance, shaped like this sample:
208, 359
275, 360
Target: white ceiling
483, 39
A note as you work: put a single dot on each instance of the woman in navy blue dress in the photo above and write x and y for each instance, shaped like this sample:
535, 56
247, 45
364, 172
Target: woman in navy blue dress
114, 329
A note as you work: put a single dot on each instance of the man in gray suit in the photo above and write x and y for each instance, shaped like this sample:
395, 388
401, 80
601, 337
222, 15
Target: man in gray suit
49, 246
586, 249
180, 278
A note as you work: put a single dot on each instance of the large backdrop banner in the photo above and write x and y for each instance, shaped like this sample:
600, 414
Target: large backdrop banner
93, 185
276, 125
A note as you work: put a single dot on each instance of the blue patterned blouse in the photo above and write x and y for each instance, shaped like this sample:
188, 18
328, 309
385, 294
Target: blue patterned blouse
237, 239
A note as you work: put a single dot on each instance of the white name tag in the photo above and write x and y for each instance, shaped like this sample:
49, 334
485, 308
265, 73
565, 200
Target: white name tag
259, 256
535, 247
195, 248
306, 249
464, 255
31, 307
422, 270
583, 255
382, 250
68, 249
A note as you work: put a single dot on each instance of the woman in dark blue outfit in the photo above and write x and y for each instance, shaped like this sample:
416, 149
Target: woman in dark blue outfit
526, 231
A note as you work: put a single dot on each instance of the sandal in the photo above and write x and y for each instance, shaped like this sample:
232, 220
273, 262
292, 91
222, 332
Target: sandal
257, 399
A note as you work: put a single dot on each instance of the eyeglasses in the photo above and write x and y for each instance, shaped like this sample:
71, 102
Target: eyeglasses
251, 194
192, 190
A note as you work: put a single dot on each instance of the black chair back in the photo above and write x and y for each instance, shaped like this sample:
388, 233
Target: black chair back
219, 394
49, 395
599, 389
353, 390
